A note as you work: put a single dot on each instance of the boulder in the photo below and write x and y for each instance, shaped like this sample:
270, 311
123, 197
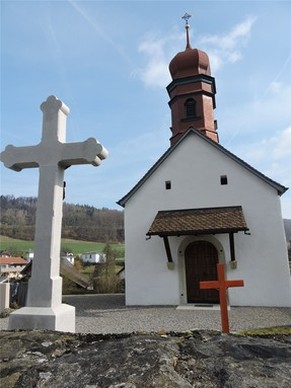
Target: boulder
187, 359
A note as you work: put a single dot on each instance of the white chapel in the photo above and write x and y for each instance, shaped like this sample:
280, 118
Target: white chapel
200, 205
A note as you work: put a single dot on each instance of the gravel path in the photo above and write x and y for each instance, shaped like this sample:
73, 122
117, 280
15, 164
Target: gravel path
108, 314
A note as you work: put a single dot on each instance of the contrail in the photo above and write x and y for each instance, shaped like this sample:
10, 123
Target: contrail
100, 31
278, 75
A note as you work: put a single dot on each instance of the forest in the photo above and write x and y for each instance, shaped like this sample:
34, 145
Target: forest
80, 222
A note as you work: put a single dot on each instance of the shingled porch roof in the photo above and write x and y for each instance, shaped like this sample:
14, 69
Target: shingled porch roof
198, 221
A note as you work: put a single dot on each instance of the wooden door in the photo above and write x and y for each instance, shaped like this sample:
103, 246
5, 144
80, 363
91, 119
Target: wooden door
201, 258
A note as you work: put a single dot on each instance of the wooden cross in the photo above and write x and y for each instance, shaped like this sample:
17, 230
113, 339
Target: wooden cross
222, 285
52, 156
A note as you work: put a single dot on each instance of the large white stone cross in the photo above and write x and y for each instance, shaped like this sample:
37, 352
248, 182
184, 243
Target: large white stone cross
44, 308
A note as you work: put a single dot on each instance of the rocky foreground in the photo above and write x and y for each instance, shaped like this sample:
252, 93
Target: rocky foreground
188, 359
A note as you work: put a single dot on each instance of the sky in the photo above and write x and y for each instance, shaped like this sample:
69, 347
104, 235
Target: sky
108, 62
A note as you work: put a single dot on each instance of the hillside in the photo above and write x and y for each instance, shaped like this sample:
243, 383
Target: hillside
287, 226
17, 247
80, 222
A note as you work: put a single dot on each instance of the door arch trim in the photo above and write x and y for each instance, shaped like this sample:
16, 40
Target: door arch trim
201, 259
181, 260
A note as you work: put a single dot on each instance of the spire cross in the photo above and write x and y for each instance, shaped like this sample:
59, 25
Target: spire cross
186, 17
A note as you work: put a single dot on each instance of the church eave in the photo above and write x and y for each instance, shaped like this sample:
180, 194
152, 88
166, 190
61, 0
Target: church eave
197, 232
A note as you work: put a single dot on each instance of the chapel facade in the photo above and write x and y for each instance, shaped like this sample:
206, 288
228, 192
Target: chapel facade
200, 205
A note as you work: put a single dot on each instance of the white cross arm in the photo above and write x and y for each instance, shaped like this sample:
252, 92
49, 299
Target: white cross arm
88, 152
17, 158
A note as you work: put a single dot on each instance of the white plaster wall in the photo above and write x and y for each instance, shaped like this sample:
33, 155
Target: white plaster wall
148, 280
194, 169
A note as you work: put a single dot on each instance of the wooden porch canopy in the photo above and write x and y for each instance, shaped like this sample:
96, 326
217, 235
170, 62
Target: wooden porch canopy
203, 221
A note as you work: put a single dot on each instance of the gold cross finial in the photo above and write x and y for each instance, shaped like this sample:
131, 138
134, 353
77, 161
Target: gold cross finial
186, 17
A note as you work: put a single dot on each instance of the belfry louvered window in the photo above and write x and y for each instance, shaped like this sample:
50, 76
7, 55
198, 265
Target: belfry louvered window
190, 108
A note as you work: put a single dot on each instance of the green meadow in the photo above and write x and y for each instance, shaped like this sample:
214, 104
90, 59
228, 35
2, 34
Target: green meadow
74, 246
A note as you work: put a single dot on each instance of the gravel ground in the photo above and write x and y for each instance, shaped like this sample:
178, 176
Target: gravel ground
108, 314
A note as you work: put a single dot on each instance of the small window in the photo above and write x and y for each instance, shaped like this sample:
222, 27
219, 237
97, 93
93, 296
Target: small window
190, 108
168, 185
223, 179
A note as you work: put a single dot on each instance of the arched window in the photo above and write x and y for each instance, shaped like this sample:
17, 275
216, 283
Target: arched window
190, 108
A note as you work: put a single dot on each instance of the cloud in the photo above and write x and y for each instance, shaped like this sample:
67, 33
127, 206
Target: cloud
158, 53
282, 144
238, 36
155, 73
271, 155
227, 48
222, 49
272, 149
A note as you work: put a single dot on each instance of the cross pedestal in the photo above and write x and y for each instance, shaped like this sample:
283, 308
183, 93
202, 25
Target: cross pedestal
44, 308
222, 285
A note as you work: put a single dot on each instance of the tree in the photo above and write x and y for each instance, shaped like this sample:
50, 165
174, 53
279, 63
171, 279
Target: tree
80, 222
78, 263
105, 278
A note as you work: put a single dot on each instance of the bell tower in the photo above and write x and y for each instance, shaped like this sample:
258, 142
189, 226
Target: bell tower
192, 92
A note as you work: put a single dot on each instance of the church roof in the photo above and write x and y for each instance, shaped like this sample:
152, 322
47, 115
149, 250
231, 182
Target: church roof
198, 221
277, 186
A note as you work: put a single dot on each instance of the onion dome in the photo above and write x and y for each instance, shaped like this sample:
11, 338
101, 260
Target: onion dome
190, 61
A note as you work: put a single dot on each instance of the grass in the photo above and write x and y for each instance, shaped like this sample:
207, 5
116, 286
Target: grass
75, 246
19, 245
88, 270
269, 331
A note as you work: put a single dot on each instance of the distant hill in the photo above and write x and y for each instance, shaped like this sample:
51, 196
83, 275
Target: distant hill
80, 222
287, 226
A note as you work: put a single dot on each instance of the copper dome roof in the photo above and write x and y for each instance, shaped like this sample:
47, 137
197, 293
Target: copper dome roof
188, 63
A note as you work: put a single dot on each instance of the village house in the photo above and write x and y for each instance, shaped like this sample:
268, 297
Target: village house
29, 255
200, 205
93, 257
67, 255
11, 267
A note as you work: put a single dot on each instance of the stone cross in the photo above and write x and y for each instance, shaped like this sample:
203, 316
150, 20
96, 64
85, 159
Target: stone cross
222, 285
44, 308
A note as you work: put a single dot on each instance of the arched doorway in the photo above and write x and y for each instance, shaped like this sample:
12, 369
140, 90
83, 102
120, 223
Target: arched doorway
201, 258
